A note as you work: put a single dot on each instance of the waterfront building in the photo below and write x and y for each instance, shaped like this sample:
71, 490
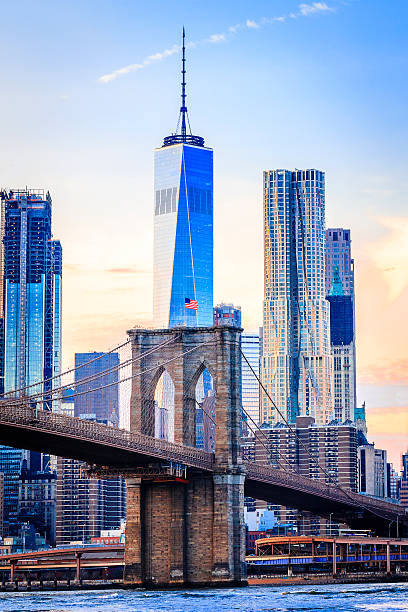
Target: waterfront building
99, 404
183, 227
372, 471
30, 326
37, 501
302, 449
296, 360
403, 485
86, 506
227, 314
339, 280
1, 503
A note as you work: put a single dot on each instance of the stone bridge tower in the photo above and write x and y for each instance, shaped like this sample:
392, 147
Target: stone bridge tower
191, 532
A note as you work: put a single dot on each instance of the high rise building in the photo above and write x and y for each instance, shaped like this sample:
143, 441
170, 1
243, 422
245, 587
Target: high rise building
340, 294
227, 314
85, 506
302, 449
31, 291
183, 227
339, 260
296, 359
99, 405
372, 471
37, 501
30, 327
250, 384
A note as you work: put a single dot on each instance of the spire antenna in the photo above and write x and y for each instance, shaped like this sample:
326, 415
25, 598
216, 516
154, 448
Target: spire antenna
183, 120
183, 109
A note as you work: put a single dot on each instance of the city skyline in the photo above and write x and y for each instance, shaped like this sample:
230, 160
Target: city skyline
115, 277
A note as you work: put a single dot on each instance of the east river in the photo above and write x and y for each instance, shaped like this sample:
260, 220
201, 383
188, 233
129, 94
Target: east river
333, 598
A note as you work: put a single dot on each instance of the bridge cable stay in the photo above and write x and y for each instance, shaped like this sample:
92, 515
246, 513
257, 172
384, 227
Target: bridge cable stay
91, 378
305, 448
69, 371
133, 376
272, 458
267, 446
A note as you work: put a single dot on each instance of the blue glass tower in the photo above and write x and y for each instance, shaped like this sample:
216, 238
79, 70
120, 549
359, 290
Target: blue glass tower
31, 263
183, 226
101, 405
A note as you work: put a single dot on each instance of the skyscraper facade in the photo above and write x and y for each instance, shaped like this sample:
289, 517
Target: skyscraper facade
250, 384
340, 294
91, 401
31, 266
183, 227
296, 360
85, 506
31, 291
338, 258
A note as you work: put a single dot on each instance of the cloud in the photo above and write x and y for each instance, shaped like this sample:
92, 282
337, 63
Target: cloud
156, 57
315, 7
304, 10
381, 373
127, 271
390, 255
215, 38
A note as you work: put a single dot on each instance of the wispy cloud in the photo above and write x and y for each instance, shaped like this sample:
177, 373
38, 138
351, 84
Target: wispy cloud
390, 254
214, 38
156, 57
249, 24
314, 7
126, 271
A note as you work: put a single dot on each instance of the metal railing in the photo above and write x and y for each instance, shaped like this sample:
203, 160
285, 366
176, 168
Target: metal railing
273, 476
97, 433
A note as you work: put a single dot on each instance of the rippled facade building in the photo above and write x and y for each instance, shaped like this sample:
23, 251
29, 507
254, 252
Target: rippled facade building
296, 363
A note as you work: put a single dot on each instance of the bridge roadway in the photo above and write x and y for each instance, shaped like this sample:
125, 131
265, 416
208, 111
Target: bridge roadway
24, 427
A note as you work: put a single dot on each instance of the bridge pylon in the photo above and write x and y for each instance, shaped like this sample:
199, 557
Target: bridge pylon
187, 531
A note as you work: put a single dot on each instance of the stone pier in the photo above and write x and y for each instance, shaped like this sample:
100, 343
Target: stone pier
188, 531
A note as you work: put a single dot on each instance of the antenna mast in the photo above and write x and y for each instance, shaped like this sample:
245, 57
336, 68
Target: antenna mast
183, 109
183, 120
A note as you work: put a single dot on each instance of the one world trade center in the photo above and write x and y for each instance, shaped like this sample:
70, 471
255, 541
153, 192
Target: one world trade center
183, 226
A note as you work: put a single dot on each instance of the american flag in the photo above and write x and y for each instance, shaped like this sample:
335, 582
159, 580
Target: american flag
192, 304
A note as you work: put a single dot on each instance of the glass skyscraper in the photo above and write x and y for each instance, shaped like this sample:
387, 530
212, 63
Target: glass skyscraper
100, 405
183, 250
183, 227
31, 291
31, 264
296, 360
250, 385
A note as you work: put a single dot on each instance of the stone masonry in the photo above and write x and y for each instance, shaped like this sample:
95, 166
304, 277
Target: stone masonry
188, 532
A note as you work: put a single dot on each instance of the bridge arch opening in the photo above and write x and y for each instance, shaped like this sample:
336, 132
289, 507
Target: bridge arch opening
205, 409
163, 412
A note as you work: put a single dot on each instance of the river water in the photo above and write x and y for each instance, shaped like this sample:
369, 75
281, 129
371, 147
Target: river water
322, 598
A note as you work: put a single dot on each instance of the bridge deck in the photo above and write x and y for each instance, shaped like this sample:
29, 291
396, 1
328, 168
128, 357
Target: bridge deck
62, 435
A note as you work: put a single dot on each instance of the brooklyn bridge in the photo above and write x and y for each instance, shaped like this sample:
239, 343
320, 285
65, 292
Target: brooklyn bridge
185, 506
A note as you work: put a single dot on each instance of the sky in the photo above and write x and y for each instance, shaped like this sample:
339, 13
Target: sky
91, 87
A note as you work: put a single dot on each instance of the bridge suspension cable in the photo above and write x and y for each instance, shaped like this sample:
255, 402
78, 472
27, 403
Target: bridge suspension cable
69, 371
304, 446
48, 395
